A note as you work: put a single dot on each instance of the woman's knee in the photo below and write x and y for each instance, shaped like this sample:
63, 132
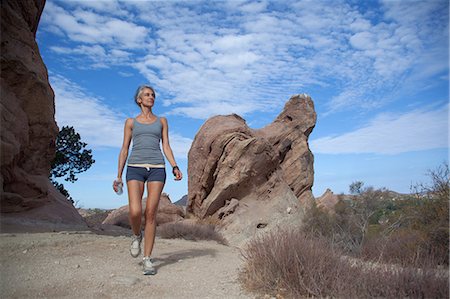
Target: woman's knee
135, 213
150, 215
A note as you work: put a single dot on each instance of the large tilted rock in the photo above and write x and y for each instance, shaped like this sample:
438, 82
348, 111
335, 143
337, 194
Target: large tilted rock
252, 180
167, 212
28, 128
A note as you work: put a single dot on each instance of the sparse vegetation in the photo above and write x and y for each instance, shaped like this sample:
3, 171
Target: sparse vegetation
190, 231
371, 224
290, 264
373, 244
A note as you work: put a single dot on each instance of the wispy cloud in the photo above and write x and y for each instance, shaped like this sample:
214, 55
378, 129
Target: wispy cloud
251, 56
391, 134
99, 125
86, 26
180, 145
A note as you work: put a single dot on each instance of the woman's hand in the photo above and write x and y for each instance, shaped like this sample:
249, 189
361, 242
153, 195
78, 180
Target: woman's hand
177, 173
116, 184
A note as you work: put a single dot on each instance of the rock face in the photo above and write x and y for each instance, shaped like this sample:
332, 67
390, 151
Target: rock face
252, 179
167, 212
28, 127
288, 135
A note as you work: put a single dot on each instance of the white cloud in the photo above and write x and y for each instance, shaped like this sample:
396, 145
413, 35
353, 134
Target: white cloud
98, 125
99, 56
180, 145
214, 108
112, 7
260, 53
360, 25
363, 40
391, 134
90, 27
254, 7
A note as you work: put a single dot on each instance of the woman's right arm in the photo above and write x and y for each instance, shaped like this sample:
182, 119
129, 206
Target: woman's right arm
123, 155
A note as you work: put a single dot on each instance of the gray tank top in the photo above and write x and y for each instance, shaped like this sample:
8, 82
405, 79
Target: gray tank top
146, 139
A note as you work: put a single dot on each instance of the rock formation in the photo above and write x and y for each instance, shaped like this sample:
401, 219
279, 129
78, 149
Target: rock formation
182, 201
167, 212
327, 200
252, 179
28, 127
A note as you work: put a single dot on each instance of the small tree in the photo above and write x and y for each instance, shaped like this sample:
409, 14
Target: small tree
71, 158
356, 187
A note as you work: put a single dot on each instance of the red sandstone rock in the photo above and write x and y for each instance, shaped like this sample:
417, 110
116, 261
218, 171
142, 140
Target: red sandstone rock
268, 171
167, 212
28, 130
288, 135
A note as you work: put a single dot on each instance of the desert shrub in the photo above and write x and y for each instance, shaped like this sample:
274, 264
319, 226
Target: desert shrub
403, 247
417, 232
289, 263
190, 231
317, 222
348, 225
412, 230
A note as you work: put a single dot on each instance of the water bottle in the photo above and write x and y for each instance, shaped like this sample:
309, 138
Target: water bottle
119, 188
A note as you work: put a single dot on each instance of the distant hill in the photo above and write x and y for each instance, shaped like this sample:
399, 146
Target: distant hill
182, 201
328, 199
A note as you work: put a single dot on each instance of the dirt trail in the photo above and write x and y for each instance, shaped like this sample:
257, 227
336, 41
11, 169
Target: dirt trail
86, 265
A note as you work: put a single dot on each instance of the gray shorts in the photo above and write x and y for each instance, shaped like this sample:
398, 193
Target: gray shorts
144, 174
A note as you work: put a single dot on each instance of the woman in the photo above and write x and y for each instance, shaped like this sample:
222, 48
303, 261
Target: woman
145, 167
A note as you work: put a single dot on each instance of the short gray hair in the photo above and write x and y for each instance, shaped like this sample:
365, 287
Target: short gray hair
139, 91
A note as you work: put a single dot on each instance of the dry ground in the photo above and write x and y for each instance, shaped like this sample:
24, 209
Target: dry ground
87, 265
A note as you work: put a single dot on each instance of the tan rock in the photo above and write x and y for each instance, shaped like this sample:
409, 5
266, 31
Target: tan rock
167, 212
288, 135
327, 200
252, 180
229, 208
28, 127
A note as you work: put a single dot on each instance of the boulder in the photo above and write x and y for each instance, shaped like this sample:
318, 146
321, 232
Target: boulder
29, 130
252, 180
167, 212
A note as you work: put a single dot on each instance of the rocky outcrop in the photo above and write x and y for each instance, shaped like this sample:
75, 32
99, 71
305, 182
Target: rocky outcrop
288, 135
252, 179
182, 201
28, 126
167, 212
327, 200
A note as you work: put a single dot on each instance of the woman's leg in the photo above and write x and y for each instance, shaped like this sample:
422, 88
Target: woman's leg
154, 193
135, 192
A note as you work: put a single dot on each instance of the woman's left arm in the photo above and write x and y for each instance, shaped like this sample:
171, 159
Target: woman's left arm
168, 150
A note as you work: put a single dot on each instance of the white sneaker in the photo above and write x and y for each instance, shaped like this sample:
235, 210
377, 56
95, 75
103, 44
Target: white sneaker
135, 248
149, 269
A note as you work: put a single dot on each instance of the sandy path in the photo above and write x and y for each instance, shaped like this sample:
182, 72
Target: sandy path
85, 265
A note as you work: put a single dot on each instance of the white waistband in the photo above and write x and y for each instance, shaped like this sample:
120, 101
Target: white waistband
148, 165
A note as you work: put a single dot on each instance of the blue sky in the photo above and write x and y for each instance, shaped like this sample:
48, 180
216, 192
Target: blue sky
376, 70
